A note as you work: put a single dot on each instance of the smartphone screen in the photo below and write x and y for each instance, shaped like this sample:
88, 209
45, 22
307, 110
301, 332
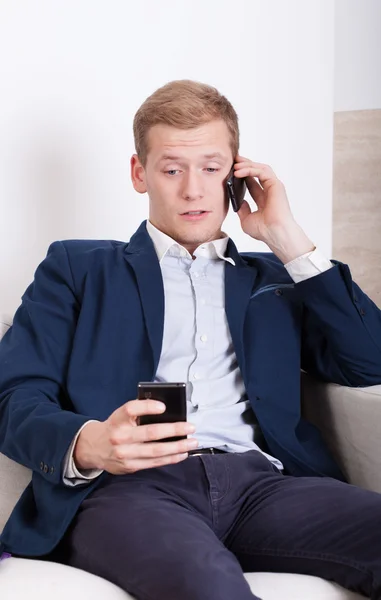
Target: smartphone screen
173, 395
235, 188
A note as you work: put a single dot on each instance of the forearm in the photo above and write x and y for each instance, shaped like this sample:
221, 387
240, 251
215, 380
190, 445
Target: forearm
288, 242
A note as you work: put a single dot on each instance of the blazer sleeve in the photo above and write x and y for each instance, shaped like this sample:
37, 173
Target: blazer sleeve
37, 420
341, 333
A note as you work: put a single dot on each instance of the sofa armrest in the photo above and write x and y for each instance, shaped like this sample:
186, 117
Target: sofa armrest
14, 478
350, 422
4, 326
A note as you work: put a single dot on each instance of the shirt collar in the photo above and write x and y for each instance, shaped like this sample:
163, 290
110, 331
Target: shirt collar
165, 245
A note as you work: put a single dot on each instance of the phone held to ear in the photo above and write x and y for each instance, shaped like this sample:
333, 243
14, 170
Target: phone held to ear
235, 189
173, 395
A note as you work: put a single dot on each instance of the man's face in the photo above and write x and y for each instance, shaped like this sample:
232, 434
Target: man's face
185, 171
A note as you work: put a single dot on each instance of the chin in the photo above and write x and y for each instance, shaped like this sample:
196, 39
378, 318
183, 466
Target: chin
198, 234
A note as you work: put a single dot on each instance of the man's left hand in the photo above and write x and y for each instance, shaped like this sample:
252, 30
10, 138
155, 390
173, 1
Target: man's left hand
273, 222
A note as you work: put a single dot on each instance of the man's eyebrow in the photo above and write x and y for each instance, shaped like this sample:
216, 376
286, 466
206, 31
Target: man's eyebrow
169, 157
215, 155
179, 158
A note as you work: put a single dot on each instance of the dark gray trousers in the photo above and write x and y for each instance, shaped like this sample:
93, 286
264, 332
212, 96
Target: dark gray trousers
188, 531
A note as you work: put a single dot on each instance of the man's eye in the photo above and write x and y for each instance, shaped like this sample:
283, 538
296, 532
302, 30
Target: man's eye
172, 172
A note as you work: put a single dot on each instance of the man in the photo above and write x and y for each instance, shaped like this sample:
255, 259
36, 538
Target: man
253, 488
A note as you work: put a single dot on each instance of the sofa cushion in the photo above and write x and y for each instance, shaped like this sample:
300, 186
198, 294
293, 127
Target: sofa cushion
40, 580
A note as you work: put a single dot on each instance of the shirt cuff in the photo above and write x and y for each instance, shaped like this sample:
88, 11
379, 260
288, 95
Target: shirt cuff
71, 475
308, 265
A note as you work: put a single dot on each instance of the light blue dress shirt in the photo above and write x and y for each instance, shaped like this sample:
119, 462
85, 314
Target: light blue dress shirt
197, 347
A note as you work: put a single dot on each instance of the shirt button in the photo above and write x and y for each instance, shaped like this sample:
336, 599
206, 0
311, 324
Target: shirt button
204, 338
196, 376
196, 274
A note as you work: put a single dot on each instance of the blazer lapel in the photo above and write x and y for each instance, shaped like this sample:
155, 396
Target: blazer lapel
141, 256
239, 283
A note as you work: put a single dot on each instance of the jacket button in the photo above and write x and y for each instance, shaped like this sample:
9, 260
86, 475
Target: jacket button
46, 468
41, 465
278, 292
362, 312
51, 470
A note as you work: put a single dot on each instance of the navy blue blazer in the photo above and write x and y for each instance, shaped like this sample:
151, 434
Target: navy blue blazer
90, 327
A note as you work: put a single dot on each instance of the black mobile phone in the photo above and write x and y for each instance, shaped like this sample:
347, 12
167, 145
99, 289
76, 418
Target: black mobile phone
174, 397
235, 189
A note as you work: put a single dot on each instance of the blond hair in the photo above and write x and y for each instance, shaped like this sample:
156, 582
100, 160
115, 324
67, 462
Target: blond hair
183, 104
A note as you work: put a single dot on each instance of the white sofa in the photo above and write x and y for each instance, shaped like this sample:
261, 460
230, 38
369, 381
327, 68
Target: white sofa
349, 419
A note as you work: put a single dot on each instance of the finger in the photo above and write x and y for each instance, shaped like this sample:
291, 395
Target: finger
159, 431
241, 159
155, 449
261, 171
151, 463
256, 165
264, 173
136, 408
244, 211
256, 191
243, 173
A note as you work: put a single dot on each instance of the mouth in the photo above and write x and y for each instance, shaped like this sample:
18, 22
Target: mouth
195, 215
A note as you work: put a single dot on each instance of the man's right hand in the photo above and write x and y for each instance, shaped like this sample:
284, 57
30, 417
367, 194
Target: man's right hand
119, 446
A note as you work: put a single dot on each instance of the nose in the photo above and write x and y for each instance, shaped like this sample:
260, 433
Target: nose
192, 188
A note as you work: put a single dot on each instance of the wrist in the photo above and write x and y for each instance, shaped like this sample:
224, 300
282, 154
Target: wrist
288, 242
85, 454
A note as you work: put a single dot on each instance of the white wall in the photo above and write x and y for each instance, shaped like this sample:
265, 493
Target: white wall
357, 54
76, 71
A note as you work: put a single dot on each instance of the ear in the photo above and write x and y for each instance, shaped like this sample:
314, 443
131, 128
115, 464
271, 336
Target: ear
138, 175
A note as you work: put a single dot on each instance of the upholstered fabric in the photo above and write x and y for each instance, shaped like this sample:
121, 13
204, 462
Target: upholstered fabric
13, 480
349, 419
39, 580
3, 327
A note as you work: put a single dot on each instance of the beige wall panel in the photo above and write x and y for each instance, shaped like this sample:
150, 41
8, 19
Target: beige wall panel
357, 197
